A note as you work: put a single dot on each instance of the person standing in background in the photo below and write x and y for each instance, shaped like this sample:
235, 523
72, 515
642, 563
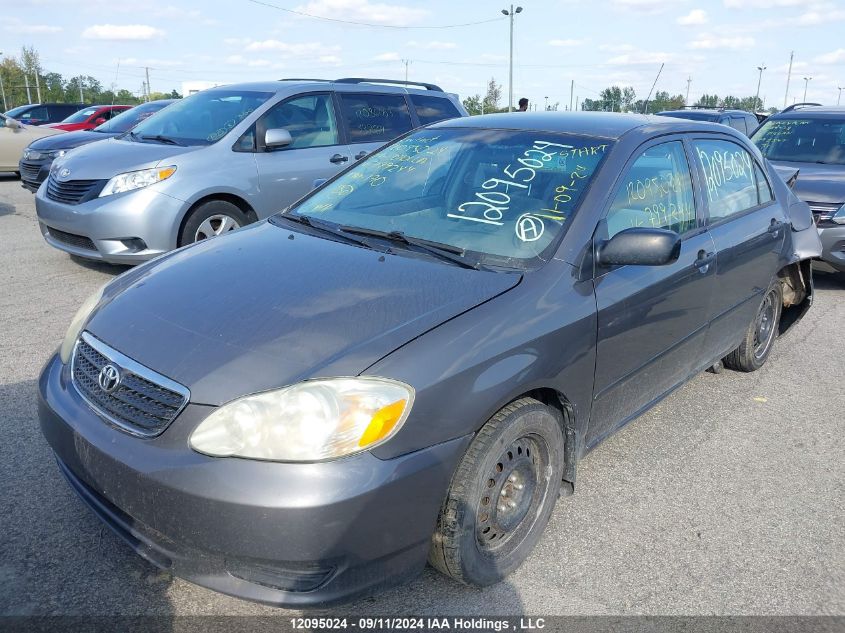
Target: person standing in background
523, 105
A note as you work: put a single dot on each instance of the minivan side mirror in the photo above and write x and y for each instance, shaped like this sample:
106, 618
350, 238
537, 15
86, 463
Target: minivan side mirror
277, 137
640, 246
12, 124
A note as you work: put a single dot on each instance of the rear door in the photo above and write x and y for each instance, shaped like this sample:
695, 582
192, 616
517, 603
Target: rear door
748, 227
316, 153
431, 109
373, 119
652, 320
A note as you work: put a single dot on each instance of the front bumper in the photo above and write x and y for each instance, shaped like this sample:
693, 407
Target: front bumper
281, 534
833, 246
126, 228
34, 172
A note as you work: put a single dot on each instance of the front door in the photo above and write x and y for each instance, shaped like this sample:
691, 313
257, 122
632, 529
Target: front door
652, 320
316, 153
748, 227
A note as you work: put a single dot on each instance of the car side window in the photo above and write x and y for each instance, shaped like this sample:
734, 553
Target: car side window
36, 114
433, 109
738, 123
370, 118
310, 119
729, 177
764, 189
656, 192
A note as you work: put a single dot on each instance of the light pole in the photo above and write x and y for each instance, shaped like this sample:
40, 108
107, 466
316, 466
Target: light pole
761, 68
2, 89
806, 83
547, 100
511, 14
839, 98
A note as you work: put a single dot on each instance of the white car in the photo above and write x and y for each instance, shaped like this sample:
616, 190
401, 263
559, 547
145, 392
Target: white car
14, 137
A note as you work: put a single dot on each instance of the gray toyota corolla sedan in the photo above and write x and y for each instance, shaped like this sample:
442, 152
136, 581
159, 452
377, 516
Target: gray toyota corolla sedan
407, 364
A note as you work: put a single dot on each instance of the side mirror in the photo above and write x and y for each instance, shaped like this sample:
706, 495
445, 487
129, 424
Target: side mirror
99, 120
640, 247
276, 138
12, 123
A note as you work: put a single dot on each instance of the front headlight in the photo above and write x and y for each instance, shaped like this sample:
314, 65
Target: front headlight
839, 216
137, 179
311, 421
34, 154
78, 323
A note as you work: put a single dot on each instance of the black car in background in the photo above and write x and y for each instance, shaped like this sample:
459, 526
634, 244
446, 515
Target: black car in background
35, 163
807, 143
43, 113
745, 122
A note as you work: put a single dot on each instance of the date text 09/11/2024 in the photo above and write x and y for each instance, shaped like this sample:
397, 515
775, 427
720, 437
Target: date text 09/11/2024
419, 623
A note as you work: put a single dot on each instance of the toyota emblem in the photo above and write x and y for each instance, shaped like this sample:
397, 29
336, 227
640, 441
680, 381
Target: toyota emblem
109, 378
64, 173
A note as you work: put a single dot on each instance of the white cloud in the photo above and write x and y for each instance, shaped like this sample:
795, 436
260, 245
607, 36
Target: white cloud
645, 6
816, 17
707, 41
176, 13
134, 32
18, 26
762, 4
364, 11
616, 48
296, 49
834, 57
567, 42
387, 57
694, 17
640, 57
433, 45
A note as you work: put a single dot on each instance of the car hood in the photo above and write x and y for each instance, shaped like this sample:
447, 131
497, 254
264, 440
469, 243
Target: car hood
101, 161
816, 183
266, 307
70, 140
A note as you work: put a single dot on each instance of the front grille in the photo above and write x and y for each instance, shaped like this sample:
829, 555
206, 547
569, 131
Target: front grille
79, 241
144, 402
823, 212
30, 171
73, 191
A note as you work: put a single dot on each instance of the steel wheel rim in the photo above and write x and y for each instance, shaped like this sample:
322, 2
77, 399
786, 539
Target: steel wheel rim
764, 330
516, 484
215, 225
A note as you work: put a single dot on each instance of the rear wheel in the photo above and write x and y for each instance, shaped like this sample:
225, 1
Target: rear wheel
210, 219
501, 495
761, 333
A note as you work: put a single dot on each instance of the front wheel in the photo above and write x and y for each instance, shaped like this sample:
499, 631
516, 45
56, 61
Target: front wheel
501, 496
210, 219
761, 333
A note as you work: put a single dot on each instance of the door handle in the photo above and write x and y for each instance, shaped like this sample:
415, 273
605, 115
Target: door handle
338, 158
360, 154
704, 260
774, 228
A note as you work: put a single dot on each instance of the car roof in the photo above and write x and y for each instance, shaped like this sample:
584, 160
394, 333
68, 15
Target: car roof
284, 85
706, 110
610, 125
808, 112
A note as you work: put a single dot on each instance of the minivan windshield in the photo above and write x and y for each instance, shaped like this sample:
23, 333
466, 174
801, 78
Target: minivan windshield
504, 195
127, 120
817, 140
201, 119
81, 116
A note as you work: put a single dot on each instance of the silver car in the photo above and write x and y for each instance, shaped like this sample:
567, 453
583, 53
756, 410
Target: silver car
221, 159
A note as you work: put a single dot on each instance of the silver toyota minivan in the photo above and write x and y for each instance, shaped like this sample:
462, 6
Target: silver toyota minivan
221, 159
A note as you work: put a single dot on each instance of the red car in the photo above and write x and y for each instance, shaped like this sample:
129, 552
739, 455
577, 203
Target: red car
89, 118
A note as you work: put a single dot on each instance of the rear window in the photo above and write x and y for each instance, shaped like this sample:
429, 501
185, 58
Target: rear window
803, 140
433, 109
371, 118
81, 116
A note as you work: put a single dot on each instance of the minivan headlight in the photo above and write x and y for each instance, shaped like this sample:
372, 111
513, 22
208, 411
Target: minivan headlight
839, 216
78, 323
132, 180
34, 154
314, 420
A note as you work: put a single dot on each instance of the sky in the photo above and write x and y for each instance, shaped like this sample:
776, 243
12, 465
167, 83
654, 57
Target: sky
718, 44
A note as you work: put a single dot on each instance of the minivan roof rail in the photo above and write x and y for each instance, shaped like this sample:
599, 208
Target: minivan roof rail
795, 106
302, 79
364, 80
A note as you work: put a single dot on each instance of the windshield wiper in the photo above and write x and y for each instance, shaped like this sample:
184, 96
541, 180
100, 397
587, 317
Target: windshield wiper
447, 252
162, 139
325, 227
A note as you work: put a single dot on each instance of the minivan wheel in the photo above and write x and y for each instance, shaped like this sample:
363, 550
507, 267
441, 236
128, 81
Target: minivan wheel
211, 219
501, 496
761, 333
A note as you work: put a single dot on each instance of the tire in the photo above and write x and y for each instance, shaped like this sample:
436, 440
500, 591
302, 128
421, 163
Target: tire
210, 219
501, 496
761, 333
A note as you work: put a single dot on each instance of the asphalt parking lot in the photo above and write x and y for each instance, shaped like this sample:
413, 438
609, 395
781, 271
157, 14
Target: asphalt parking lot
727, 498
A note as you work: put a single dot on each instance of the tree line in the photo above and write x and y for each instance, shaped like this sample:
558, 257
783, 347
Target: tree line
23, 78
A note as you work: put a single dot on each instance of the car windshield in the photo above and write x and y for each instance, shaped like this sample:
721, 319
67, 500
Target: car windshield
125, 121
504, 195
81, 116
819, 140
16, 112
201, 119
